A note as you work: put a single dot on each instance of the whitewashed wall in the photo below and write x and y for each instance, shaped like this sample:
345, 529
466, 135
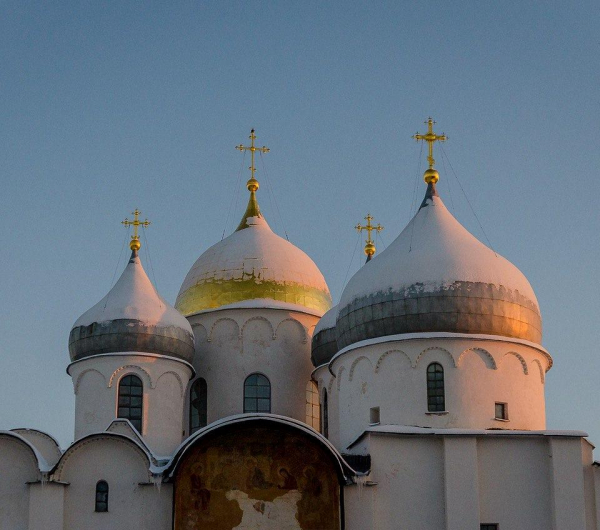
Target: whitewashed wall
18, 466
96, 383
392, 376
458, 482
234, 343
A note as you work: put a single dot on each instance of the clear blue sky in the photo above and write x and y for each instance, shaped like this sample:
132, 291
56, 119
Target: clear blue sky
108, 106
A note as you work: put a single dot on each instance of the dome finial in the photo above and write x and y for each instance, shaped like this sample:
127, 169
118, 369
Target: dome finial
369, 243
252, 184
252, 209
431, 175
135, 243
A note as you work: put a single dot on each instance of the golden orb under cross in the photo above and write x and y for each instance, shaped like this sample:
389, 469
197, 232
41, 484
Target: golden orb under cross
135, 243
252, 184
369, 243
431, 175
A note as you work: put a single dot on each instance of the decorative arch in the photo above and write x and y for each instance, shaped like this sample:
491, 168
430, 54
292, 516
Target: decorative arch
330, 385
303, 330
34, 455
94, 438
488, 359
133, 368
80, 377
384, 355
212, 328
355, 363
431, 348
177, 376
258, 318
339, 376
542, 373
521, 360
198, 325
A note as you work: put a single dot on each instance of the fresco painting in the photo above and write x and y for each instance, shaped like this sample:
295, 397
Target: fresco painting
254, 477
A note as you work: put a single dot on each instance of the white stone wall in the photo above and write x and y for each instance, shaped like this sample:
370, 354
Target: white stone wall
234, 343
458, 482
18, 466
133, 501
392, 376
96, 383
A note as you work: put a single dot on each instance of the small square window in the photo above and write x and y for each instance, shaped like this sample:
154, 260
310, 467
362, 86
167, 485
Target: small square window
374, 415
501, 411
488, 526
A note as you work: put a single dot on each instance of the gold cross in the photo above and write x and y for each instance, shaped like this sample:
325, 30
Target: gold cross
430, 138
135, 238
370, 244
252, 184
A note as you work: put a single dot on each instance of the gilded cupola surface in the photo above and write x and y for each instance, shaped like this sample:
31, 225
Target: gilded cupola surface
253, 264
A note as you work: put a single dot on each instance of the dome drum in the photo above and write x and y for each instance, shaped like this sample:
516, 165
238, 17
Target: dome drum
461, 307
130, 335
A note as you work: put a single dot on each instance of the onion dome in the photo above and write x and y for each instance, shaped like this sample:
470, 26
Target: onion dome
324, 345
437, 277
253, 264
132, 317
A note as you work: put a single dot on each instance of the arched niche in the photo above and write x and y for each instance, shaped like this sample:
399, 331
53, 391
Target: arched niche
257, 474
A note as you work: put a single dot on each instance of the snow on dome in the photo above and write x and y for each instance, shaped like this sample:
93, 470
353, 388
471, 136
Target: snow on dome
436, 276
253, 263
132, 317
327, 321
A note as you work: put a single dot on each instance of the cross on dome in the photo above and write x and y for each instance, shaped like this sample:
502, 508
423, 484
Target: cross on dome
252, 183
135, 243
431, 176
369, 243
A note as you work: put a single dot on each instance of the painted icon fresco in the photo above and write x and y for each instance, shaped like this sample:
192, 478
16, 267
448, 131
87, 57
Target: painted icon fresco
257, 477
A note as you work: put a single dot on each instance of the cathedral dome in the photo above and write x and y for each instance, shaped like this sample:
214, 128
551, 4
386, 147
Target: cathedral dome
132, 317
323, 344
437, 277
253, 264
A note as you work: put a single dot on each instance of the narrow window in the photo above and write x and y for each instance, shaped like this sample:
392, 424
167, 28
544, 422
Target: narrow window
313, 417
374, 416
257, 394
436, 401
325, 415
488, 526
501, 411
131, 393
198, 405
102, 496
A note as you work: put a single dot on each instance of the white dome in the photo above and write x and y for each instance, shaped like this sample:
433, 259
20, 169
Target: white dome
253, 263
132, 317
436, 276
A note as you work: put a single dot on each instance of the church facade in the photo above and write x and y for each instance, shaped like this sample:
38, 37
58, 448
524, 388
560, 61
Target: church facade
417, 402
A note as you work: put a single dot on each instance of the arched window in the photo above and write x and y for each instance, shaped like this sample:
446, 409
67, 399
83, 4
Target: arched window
436, 401
198, 405
312, 405
131, 398
102, 496
257, 394
325, 415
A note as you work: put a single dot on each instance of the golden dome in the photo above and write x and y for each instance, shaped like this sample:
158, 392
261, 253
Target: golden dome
253, 264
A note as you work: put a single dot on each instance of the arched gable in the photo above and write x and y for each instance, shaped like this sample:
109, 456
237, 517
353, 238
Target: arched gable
80, 445
43, 442
257, 470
